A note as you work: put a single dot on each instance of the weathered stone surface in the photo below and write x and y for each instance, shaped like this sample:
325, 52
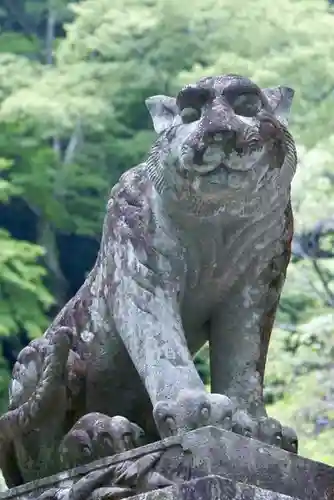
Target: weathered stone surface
212, 488
203, 452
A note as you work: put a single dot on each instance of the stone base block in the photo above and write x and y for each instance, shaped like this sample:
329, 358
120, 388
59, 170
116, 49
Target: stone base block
212, 488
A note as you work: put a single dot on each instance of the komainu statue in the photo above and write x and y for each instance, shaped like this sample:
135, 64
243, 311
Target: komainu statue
195, 246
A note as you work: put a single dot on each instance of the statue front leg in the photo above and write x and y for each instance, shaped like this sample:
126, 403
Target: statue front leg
146, 316
240, 333
151, 330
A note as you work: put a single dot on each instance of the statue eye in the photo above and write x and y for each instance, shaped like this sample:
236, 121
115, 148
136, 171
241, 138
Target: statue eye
189, 115
191, 101
247, 104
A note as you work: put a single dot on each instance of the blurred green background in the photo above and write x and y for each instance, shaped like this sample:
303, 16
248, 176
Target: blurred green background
73, 79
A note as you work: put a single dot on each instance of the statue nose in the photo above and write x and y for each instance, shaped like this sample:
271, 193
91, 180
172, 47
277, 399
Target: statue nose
226, 137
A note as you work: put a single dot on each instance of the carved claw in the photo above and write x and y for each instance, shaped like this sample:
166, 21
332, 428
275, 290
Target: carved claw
289, 439
75, 449
270, 431
243, 424
221, 411
125, 434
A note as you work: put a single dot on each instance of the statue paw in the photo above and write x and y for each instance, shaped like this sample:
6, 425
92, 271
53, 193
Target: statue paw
265, 429
221, 411
192, 409
244, 424
95, 436
270, 431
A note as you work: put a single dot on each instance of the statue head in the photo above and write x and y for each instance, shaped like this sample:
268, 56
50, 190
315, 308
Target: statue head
222, 136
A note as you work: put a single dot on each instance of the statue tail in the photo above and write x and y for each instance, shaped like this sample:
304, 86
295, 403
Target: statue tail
28, 415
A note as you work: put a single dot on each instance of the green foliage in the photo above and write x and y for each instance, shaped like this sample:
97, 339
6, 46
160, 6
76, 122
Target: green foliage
4, 381
202, 364
23, 297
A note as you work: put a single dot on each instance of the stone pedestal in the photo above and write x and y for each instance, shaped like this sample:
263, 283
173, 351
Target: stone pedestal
212, 488
207, 463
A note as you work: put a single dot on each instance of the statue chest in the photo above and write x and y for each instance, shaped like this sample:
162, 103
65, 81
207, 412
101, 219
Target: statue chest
226, 256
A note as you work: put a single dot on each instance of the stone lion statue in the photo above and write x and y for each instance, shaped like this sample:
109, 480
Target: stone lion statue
195, 246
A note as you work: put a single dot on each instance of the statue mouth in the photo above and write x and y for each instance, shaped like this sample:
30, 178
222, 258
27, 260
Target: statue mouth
212, 170
215, 159
232, 163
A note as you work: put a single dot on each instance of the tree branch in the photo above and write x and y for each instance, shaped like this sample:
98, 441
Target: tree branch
73, 144
50, 36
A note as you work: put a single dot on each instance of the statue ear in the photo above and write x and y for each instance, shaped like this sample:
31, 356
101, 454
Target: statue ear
280, 100
164, 112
